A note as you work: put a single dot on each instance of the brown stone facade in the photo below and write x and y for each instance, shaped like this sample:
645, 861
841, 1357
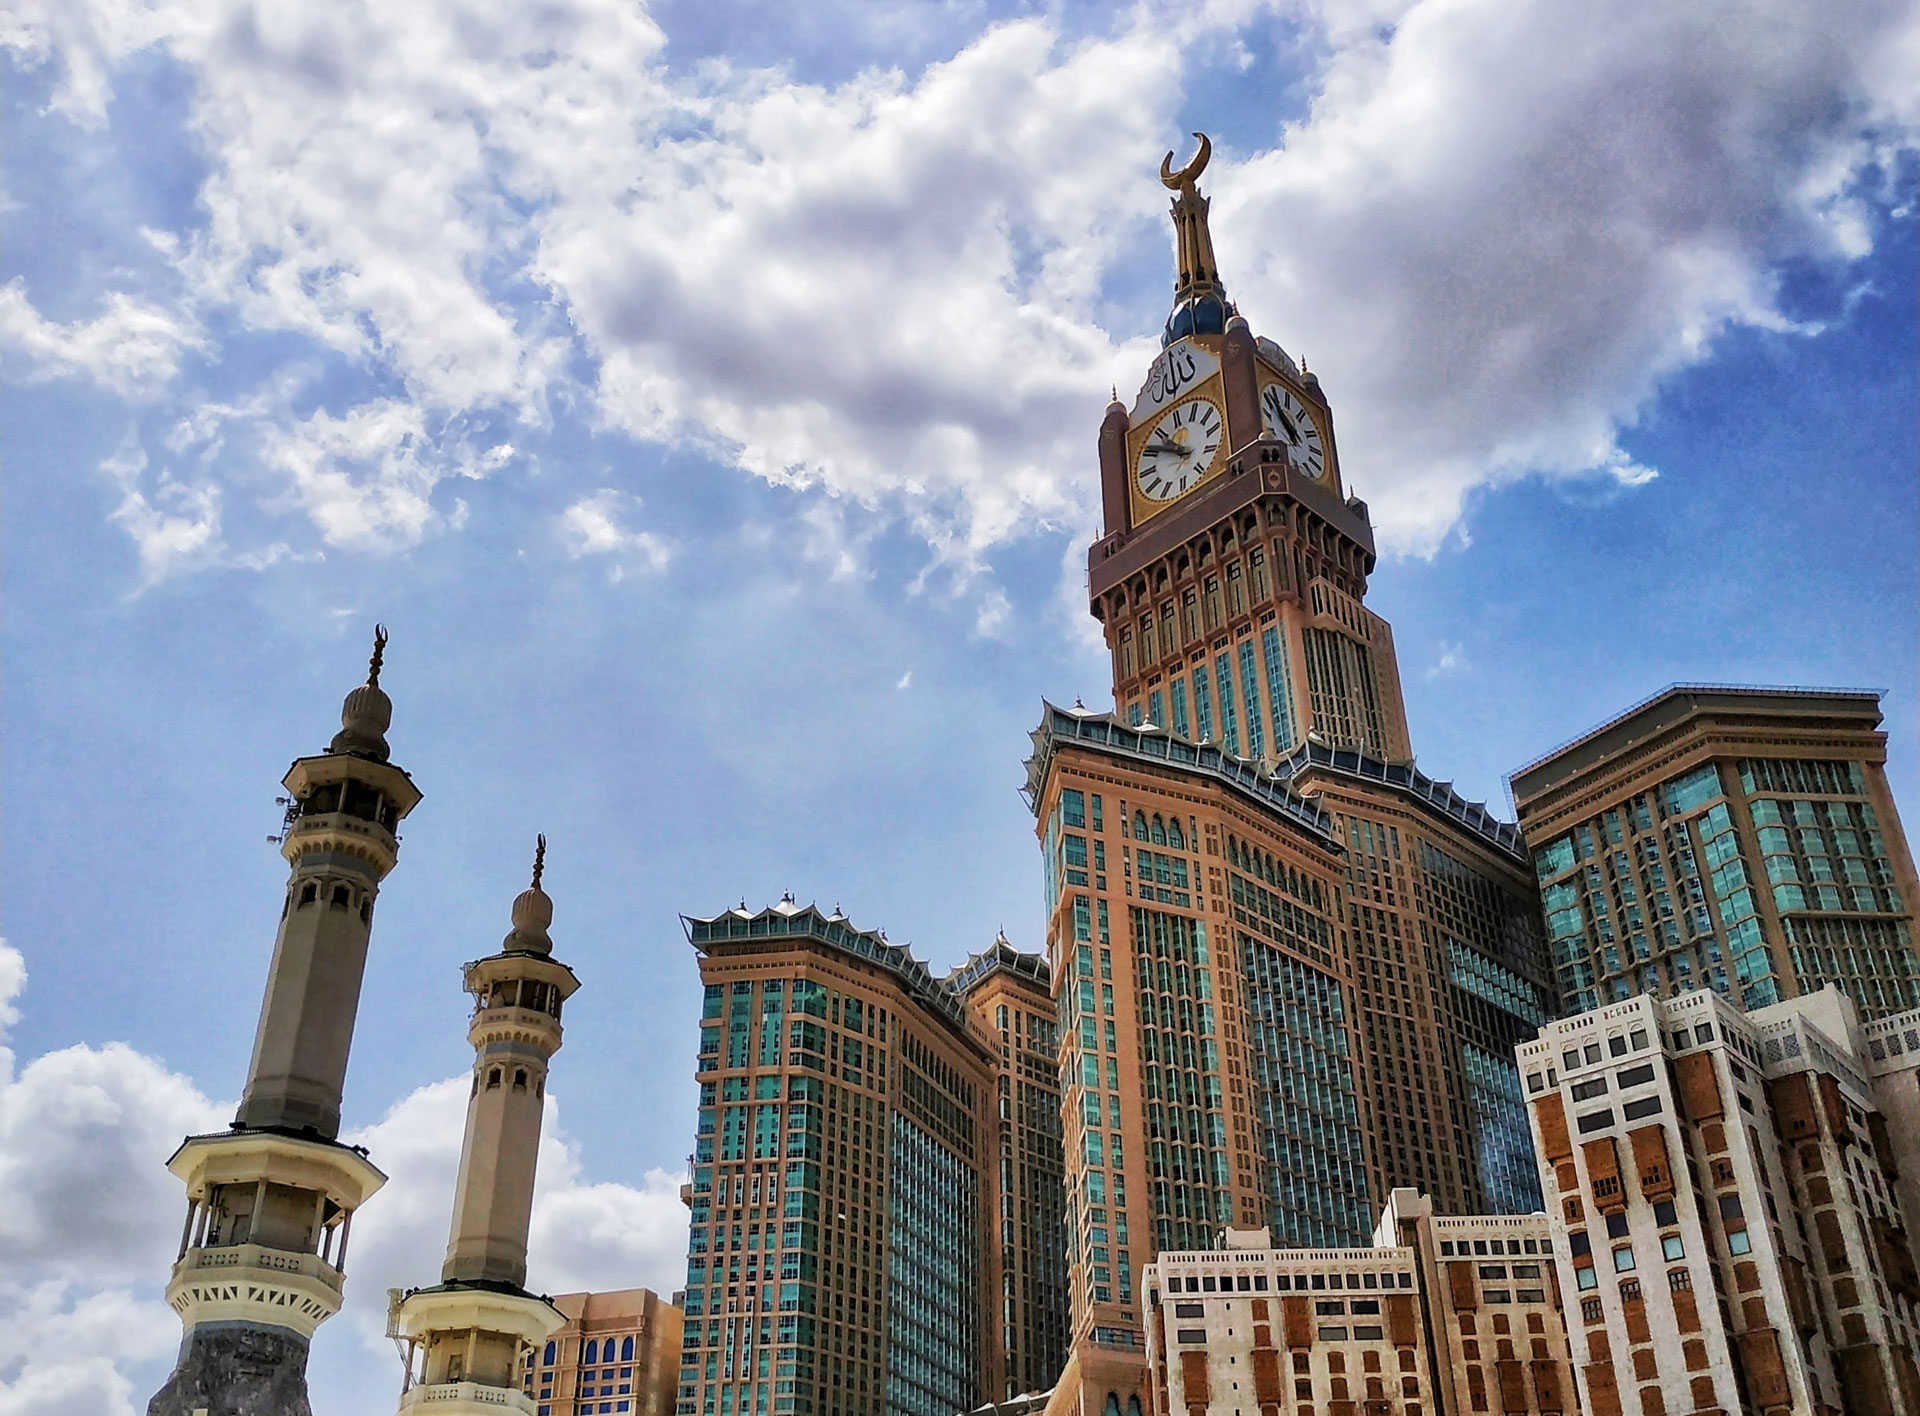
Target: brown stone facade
1739, 839
840, 1236
620, 1347
1009, 997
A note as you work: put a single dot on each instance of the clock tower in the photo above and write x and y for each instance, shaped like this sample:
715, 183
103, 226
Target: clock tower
1232, 566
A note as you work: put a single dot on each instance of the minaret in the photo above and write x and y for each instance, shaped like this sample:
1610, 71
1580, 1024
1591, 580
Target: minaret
467, 1338
270, 1202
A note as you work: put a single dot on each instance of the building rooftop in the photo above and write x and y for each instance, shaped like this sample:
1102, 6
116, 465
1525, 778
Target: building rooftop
998, 957
788, 920
1106, 733
1503, 836
1671, 706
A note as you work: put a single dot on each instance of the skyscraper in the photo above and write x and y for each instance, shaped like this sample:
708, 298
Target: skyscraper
270, 1202
467, 1338
1739, 839
1289, 967
840, 1233
1009, 996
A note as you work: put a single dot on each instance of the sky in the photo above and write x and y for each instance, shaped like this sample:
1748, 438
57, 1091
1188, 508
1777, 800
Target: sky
706, 399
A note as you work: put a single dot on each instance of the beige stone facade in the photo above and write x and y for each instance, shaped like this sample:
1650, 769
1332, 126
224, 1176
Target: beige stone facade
1739, 839
1727, 1232
466, 1340
617, 1352
270, 1201
1441, 1314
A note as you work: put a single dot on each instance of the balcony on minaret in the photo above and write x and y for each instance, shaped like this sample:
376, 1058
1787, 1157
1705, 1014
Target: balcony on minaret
268, 1222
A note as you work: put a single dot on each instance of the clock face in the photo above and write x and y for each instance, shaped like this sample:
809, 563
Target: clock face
1180, 447
1286, 418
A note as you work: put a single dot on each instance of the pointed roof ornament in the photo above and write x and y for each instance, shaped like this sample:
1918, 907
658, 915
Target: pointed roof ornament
532, 910
1200, 298
367, 712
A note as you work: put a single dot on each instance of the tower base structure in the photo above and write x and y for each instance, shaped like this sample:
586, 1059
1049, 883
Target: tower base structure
465, 1346
236, 1369
261, 1266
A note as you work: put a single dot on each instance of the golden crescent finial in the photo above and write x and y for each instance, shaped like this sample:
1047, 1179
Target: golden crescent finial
379, 653
539, 859
1186, 176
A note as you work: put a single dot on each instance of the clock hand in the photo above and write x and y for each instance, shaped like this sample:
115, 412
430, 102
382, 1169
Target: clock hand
1173, 447
1293, 433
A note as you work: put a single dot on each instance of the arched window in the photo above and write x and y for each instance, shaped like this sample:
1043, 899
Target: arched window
1112, 1408
593, 1350
340, 897
1175, 837
626, 1349
1133, 1406
1139, 825
309, 893
1159, 832
552, 1352
493, 1078
519, 1078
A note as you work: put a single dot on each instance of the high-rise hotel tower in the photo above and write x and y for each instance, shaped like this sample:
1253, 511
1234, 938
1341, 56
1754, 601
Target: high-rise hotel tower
1289, 968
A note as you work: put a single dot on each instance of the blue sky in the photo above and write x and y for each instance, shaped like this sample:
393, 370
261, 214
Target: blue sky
706, 400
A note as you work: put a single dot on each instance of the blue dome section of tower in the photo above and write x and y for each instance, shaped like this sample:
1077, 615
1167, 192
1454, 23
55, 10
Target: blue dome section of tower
1199, 314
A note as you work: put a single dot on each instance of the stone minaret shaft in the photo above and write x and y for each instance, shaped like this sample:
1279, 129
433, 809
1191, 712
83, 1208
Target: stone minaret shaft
466, 1338
515, 1031
341, 844
270, 1201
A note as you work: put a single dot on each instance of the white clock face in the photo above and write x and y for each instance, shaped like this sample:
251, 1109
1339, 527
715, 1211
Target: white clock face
1288, 419
1179, 449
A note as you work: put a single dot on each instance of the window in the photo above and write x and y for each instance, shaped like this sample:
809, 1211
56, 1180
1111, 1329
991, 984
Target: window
1644, 1107
1679, 1280
1664, 1213
1730, 1207
1672, 1247
1739, 1242
1595, 1121
1585, 1279
1634, 1076
1191, 1334
1616, 1226
1589, 1089
1578, 1244
1623, 1259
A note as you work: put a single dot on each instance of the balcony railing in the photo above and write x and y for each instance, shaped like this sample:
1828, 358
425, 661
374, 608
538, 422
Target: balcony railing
471, 1393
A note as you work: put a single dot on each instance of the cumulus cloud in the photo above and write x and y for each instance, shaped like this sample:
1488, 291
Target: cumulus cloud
92, 1220
131, 347
1495, 229
1498, 227
595, 526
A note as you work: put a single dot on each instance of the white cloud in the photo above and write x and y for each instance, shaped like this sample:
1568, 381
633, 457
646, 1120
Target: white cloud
131, 347
1495, 230
904, 682
594, 526
1453, 658
1500, 226
92, 1220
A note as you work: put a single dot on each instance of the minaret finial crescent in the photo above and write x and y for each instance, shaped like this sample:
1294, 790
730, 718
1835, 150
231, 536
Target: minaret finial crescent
379, 653
539, 859
1186, 176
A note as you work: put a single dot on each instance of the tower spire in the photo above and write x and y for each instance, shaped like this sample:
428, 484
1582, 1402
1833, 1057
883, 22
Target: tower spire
1199, 297
270, 1201
467, 1336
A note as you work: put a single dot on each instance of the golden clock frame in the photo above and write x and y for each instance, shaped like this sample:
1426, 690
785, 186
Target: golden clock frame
1143, 507
1269, 377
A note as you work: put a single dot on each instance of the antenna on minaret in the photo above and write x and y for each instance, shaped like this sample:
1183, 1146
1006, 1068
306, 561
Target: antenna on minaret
539, 859
379, 653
